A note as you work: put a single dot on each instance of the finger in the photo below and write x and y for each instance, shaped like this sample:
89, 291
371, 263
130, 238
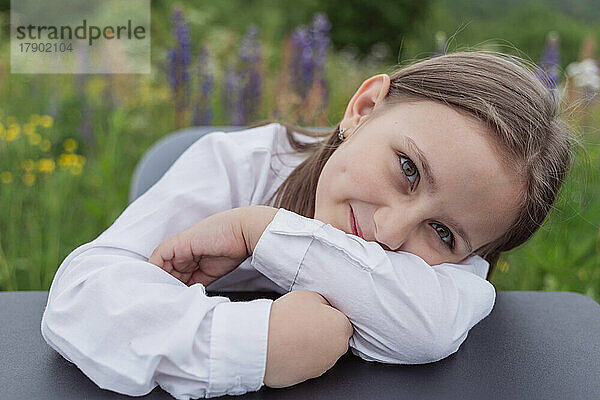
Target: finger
182, 276
161, 254
184, 259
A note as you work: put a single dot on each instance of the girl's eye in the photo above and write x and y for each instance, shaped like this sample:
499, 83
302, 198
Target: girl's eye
410, 170
444, 233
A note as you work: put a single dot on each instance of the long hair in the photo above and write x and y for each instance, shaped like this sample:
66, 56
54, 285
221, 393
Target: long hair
501, 90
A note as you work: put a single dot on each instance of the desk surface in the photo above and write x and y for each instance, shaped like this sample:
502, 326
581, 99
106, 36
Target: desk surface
533, 345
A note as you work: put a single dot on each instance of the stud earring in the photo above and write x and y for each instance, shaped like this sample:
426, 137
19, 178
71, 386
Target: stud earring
341, 134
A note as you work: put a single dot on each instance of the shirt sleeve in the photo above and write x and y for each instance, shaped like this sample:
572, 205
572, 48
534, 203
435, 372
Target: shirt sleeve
403, 310
130, 326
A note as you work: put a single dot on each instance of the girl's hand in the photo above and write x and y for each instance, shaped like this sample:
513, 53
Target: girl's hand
205, 251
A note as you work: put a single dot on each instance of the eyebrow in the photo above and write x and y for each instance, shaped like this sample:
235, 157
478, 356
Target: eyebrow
410, 143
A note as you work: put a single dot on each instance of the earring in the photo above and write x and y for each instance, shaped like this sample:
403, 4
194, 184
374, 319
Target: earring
341, 134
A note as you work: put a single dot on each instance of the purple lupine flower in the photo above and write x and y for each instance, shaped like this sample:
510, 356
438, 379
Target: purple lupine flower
321, 27
302, 60
232, 96
549, 63
309, 47
309, 51
243, 81
320, 37
178, 60
203, 112
251, 73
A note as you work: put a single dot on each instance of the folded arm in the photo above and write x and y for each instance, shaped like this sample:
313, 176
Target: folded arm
402, 309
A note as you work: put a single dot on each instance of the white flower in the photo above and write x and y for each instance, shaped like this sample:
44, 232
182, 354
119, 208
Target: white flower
585, 74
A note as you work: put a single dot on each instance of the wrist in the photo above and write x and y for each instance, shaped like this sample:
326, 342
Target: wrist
254, 221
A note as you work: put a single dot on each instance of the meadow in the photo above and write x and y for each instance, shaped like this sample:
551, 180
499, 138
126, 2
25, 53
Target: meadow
69, 144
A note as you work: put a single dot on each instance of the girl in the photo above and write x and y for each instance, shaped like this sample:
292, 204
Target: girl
383, 235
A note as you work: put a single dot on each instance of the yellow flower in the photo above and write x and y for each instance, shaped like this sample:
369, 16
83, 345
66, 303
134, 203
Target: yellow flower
35, 139
28, 178
46, 121
27, 165
6, 177
503, 265
76, 170
66, 160
70, 145
71, 160
46, 165
34, 119
11, 120
45, 145
13, 132
28, 128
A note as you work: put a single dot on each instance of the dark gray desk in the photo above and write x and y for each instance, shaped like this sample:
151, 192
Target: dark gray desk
534, 345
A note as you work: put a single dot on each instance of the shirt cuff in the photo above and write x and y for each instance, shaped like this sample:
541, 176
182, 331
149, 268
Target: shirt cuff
281, 265
238, 347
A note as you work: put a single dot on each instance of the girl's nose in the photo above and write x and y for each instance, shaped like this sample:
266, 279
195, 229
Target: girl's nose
394, 226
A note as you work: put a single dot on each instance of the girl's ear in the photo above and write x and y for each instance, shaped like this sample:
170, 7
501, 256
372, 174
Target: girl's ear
370, 94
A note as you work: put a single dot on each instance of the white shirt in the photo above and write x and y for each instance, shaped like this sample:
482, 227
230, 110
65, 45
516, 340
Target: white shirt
130, 326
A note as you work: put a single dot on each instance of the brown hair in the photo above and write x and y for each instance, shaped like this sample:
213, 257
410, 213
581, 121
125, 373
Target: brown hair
500, 90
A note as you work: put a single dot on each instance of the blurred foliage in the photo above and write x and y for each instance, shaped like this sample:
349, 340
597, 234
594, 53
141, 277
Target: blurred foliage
406, 28
361, 23
584, 10
519, 30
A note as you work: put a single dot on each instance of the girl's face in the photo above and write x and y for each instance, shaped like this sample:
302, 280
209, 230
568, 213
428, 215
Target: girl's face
380, 172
